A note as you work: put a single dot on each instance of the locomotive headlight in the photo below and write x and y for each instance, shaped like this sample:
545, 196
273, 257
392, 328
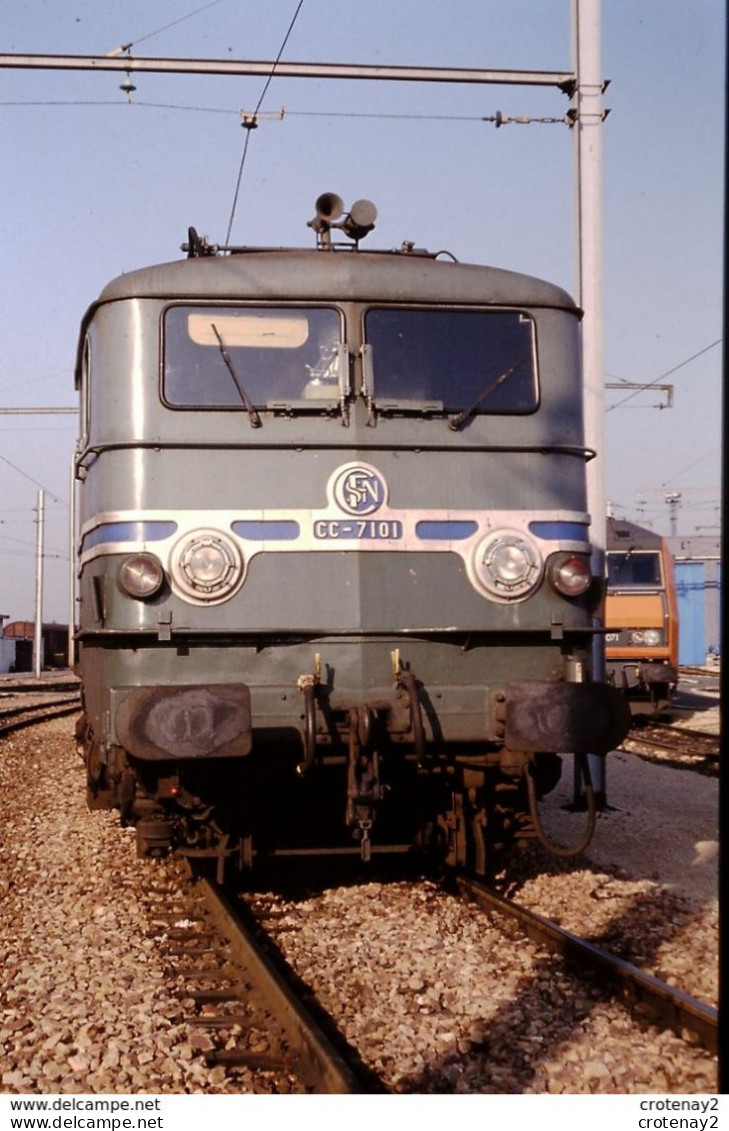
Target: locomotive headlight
508, 565
207, 566
649, 637
141, 576
569, 574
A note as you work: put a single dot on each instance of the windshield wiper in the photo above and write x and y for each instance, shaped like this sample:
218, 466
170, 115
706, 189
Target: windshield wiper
247, 403
455, 422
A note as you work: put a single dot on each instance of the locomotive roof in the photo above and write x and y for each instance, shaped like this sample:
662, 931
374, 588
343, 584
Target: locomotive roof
308, 274
624, 535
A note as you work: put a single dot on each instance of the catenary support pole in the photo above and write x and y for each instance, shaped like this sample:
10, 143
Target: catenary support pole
588, 114
72, 567
38, 634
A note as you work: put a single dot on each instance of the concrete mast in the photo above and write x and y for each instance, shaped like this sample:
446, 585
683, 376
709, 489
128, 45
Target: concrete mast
38, 634
588, 116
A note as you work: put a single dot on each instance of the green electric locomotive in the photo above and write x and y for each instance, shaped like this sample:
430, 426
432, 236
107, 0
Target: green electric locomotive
334, 551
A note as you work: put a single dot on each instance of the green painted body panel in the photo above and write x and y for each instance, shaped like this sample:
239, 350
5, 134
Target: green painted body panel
351, 607
306, 274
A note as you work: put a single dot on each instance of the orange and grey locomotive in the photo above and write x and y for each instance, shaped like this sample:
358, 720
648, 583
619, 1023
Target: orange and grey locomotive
641, 615
334, 551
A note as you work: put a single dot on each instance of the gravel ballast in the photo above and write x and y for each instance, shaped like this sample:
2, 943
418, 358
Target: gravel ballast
86, 1005
436, 997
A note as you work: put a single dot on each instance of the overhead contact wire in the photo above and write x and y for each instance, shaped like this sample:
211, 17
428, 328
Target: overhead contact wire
668, 373
33, 481
258, 107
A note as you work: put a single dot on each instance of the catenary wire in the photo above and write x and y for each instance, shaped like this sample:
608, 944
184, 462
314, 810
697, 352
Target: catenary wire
373, 115
34, 481
258, 107
668, 373
30, 554
165, 27
51, 551
691, 465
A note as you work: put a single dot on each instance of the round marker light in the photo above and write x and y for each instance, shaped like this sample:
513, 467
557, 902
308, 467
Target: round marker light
651, 637
570, 575
508, 565
141, 576
207, 566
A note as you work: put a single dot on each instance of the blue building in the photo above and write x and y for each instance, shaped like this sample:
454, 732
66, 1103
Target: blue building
697, 561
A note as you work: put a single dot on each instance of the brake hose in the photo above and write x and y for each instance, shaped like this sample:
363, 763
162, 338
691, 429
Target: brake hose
557, 849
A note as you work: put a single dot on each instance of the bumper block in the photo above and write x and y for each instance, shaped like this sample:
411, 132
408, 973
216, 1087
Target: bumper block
576, 718
163, 723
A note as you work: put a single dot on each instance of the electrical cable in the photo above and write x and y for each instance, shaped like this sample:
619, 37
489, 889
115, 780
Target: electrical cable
373, 116
52, 552
173, 23
33, 481
258, 107
688, 468
666, 374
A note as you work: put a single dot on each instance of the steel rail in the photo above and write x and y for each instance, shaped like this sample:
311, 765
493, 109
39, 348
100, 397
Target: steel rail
8, 688
703, 737
317, 1058
672, 1007
23, 709
675, 747
680, 740
22, 717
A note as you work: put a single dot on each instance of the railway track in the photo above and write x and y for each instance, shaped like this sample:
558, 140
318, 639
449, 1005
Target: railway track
368, 950
693, 670
301, 1042
250, 1013
26, 715
11, 687
249, 1007
679, 747
667, 1005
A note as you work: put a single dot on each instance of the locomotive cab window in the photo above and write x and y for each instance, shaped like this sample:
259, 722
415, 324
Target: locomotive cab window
634, 570
452, 360
221, 357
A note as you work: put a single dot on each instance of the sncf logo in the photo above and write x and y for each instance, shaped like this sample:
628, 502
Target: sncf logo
359, 489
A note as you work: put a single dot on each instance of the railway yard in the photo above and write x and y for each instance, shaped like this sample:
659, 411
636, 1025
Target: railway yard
121, 975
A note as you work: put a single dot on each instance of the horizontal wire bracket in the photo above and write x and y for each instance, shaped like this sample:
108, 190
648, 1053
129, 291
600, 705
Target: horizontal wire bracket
251, 118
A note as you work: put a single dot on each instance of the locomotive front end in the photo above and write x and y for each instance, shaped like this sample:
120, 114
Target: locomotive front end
335, 555
641, 615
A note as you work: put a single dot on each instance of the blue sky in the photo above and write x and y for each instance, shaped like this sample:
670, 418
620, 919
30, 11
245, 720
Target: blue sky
93, 187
